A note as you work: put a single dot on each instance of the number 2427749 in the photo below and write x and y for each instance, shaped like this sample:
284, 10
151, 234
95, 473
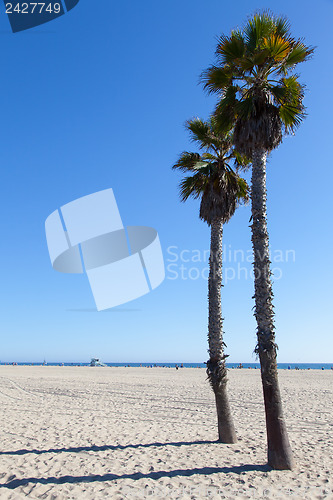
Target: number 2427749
32, 8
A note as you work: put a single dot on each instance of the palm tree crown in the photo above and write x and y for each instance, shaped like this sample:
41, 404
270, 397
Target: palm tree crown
254, 76
212, 179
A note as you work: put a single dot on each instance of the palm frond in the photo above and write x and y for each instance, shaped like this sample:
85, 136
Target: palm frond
243, 192
200, 132
238, 185
186, 161
258, 59
299, 53
259, 27
241, 161
215, 79
282, 27
230, 49
291, 116
245, 108
277, 47
225, 113
289, 91
209, 156
192, 186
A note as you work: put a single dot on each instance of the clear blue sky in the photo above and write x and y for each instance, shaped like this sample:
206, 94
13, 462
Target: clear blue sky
98, 99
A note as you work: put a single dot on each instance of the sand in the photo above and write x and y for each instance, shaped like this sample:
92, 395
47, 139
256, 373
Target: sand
136, 433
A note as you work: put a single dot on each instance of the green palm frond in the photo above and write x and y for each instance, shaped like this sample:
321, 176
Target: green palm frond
215, 79
282, 26
230, 49
258, 28
257, 60
209, 156
225, 113
243, 191
200, 132
192, 186
289, 90
299, 53
289, 95
187, 161
244, 108
241, 161
291, 116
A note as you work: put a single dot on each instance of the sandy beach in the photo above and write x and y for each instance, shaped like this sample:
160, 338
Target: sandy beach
132, 433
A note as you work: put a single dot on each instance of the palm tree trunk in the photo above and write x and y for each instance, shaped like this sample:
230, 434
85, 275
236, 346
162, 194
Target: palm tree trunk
216, 369
279, 450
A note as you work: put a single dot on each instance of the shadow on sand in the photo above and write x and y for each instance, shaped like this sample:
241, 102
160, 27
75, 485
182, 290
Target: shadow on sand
16, 483
105, 447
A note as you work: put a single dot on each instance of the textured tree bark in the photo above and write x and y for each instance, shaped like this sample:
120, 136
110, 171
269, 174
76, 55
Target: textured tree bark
216, 369
279, 450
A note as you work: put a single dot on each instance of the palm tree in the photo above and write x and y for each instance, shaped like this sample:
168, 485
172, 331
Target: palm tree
220, 188
261, 97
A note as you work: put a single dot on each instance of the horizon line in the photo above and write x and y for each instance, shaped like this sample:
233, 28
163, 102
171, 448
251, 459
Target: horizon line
169, 362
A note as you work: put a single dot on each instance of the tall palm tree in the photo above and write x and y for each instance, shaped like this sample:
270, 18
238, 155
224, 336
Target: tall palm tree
220, 188
260, 95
